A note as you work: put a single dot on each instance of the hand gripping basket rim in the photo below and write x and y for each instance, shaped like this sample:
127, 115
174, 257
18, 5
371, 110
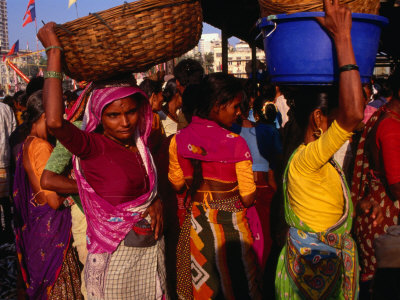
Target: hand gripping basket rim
129, 38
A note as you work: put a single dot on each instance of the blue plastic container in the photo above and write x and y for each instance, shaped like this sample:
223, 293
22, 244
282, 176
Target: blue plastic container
299, 51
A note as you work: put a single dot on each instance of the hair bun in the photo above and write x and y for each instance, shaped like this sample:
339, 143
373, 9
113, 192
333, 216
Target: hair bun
25, 115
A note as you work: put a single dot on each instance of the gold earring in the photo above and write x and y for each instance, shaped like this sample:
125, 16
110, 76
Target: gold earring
317, 133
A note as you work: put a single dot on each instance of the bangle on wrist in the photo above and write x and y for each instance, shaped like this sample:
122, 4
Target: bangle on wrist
54, 47
348, 68
52, 74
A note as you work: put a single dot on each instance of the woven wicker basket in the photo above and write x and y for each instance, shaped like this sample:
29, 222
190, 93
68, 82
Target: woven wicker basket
274, 7
129, 38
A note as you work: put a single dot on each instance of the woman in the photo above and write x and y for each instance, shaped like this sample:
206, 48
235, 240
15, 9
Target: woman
215, 257
48, 263
116, 181
265, 146
58, 177
319, 260
169, 111
376, 179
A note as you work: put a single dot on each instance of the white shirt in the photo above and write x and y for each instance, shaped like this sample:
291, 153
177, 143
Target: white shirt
283, 108
7, 126
170, 126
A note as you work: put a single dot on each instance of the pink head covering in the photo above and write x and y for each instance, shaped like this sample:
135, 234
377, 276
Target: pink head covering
102, 97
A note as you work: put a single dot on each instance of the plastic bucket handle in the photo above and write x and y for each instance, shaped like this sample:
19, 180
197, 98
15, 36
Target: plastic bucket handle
269, 26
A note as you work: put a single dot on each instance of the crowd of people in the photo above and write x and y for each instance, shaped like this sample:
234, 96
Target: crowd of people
204, 186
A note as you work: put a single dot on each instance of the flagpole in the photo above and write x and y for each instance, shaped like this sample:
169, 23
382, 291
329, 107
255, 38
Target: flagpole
37, 40
76, 8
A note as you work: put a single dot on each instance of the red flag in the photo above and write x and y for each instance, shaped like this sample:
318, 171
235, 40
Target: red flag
31, 3
14, 49
30, 16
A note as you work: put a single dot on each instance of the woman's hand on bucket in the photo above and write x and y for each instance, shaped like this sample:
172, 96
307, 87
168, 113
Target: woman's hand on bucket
156, 214
337, 20
47, 36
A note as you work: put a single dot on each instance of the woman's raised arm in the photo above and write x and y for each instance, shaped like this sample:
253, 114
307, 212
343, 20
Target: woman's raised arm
52, 91
337, 22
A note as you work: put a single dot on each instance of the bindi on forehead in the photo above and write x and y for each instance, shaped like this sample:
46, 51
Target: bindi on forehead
126, 103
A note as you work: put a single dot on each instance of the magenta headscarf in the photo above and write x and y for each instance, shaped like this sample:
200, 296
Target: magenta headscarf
108, 224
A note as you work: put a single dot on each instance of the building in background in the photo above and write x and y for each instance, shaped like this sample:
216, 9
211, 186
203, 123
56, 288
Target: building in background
207, 42
238, 58
3, 25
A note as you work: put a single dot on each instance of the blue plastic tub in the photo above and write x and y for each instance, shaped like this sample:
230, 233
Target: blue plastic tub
299, 51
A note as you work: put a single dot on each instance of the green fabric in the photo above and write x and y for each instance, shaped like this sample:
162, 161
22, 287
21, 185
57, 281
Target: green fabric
284, 285
60, 160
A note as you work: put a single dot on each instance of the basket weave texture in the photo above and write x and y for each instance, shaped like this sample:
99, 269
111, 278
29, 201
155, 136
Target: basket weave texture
129, 38
274, 7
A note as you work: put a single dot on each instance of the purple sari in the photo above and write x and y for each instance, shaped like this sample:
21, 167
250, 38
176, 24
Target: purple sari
42, 237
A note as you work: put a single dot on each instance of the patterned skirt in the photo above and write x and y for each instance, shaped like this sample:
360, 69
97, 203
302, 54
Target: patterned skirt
215, 259
313, 266
68, 283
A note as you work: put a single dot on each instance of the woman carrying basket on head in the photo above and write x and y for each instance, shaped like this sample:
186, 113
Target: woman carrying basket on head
116, 181
319, 260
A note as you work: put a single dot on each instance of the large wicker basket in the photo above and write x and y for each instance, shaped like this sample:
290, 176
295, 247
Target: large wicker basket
274, 7
129, 38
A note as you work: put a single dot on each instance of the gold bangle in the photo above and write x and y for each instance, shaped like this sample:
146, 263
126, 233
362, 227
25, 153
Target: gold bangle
52, 74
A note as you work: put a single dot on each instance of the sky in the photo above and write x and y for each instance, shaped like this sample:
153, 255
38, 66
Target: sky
57, 11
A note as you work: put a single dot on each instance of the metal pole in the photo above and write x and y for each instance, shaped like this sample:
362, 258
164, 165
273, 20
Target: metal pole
254, 62
224, 51
76, 7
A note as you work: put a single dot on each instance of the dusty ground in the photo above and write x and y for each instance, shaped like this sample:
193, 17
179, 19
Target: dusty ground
8, 271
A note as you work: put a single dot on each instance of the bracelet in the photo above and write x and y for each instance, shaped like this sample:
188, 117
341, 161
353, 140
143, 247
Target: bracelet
348, 68
53, 47
52, 74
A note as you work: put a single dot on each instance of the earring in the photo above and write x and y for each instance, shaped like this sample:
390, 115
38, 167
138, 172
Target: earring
317, 133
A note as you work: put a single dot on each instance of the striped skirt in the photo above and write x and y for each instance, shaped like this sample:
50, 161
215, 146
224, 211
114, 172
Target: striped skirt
215, 256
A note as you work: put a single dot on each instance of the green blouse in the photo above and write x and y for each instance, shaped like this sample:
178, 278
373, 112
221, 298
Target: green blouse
60, 161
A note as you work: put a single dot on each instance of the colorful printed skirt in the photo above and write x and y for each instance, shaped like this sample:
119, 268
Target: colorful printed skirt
215, 258
68, 283
312, 267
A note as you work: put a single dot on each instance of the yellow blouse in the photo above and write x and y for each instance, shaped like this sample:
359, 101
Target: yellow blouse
314, 186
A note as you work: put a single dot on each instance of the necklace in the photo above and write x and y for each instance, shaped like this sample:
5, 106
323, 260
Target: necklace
127, 146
